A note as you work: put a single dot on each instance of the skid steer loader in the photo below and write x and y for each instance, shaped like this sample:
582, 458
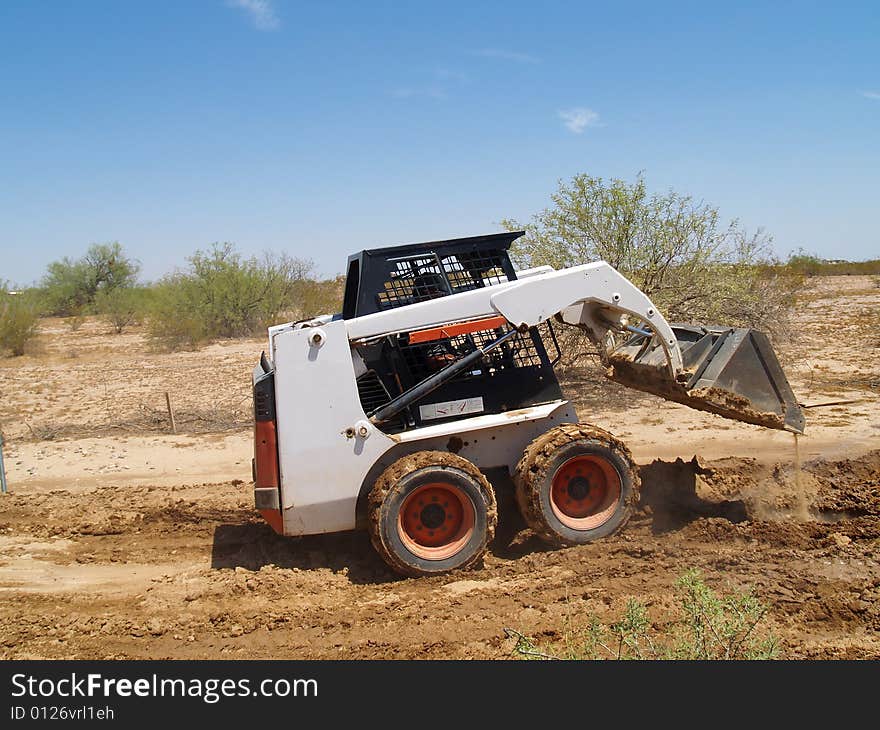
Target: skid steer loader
390, 415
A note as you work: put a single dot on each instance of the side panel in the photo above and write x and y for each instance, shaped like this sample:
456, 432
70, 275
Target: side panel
490, 442
517, 375
325, 463
322, 466
500, 445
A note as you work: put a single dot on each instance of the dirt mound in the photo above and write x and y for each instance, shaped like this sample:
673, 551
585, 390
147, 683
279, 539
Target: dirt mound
743, 489
849, 486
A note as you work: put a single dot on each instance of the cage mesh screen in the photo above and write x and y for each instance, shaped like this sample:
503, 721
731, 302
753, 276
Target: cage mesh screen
427, 276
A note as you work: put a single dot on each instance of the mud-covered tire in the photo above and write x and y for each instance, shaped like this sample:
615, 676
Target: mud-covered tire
576, 483
431, 512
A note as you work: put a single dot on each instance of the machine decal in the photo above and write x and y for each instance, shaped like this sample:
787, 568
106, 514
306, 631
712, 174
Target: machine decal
431, 411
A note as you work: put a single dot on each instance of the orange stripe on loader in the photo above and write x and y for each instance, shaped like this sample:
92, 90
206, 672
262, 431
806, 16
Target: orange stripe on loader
266, 468
274, 518
453, 330
266, 454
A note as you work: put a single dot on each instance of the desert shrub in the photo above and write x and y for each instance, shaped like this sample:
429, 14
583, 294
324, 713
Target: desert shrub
123, 307
719, 627
174, 322
808, 264
673, 248
70, 287
706, 626
315, 297
221, 294
19, 317
804, 263
75, 320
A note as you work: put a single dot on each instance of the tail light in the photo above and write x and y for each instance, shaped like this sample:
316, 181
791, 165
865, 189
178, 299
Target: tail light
267, 481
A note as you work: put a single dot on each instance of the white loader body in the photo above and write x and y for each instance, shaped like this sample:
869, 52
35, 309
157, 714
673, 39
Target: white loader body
329, 451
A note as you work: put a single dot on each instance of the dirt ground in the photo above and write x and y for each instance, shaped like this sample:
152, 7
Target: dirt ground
119, 539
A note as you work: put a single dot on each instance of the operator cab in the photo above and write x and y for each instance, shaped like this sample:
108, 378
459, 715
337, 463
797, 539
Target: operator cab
516, 375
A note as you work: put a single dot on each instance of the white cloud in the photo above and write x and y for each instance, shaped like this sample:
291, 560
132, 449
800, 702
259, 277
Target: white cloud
261, 13
506, 55
577, 120
871, 94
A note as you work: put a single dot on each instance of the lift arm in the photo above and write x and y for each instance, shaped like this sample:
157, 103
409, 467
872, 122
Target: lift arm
723, 370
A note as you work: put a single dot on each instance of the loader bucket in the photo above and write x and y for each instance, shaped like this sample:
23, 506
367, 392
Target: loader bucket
731, 372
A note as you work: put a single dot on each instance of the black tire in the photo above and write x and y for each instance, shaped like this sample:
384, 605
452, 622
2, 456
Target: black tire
576, 483
426, 497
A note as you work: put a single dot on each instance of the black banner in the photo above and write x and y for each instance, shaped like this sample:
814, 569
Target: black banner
226, 693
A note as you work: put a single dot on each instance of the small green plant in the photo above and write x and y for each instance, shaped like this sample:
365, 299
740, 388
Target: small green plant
19, 317
122, 307
719, 627
707, 626
76, 320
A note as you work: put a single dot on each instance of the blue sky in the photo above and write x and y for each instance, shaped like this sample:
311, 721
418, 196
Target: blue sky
320, 128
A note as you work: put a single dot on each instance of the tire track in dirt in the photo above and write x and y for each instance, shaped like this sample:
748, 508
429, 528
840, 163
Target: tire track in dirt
191, 572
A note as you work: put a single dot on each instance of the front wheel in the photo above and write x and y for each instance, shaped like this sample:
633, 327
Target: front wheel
576, 483
431, 512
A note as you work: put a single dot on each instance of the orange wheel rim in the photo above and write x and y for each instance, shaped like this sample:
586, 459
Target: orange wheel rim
436, 521
585, 492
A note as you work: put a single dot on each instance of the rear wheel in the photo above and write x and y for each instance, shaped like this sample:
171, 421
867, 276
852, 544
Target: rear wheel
576, 483
431, 512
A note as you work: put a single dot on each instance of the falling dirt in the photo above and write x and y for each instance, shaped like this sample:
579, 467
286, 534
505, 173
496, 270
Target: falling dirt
802, 511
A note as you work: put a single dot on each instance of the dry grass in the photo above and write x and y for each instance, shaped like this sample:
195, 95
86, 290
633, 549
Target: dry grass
90, 382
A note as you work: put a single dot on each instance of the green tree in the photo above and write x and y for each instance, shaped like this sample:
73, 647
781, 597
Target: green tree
71, 286
674, 248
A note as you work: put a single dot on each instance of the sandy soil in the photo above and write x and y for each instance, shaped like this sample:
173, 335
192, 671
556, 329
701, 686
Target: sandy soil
121, 539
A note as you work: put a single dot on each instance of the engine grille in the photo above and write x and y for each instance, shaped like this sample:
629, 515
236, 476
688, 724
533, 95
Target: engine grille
372, 393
